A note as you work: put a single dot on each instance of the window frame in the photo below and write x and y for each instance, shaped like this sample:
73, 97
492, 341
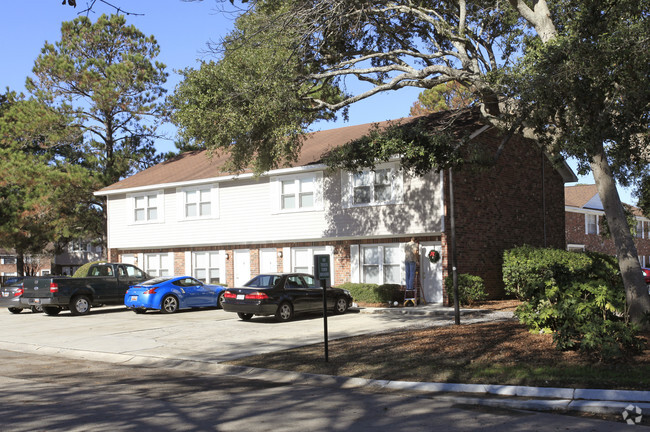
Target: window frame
382, 264
160, 206
213, 193
587, 224
220, 258
396, 186
157, 271
277, 192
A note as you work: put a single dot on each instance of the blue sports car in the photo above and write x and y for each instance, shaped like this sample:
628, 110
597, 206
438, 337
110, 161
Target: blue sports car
169, 294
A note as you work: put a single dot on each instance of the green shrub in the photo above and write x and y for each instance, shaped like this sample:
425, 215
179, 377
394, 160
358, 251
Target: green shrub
471, 289
373, 293
83, 270
577, 297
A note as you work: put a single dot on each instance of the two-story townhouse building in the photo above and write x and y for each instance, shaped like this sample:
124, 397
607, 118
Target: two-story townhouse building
187, 216
584, 215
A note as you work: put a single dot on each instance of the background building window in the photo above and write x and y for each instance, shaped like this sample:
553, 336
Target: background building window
591, 224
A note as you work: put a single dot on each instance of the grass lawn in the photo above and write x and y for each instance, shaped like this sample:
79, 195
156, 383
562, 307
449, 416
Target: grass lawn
488, 353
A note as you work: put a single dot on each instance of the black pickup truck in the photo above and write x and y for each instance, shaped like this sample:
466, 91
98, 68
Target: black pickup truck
105, 284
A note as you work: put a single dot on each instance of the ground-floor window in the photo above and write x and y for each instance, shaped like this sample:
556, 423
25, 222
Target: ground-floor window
206, 267
380, 264
157, 264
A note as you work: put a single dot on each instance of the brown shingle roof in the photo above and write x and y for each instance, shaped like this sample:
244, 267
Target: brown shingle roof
579, 195
198, 165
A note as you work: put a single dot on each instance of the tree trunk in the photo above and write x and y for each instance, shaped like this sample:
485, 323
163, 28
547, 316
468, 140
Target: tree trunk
20, 263
636, 291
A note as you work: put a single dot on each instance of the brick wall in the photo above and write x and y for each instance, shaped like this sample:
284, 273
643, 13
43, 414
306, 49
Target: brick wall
576, 234
519, 200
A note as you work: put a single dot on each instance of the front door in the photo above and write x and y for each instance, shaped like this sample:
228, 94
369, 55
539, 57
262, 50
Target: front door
242, 266
431, 274
268, 261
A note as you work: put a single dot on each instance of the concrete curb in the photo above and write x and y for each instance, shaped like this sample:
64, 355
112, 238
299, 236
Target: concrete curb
597, 401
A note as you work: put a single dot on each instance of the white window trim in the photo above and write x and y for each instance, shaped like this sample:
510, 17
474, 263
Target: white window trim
160, 207
587, 223
397, 187
360, 264
170, 260
276, 192
221, 257
181, 194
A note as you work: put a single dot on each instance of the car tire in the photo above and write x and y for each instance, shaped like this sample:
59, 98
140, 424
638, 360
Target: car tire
51, 310
220, 300
15, 310
37, 309
341, 305
244, 316
284, 312
139, 311
80, 305
169, 304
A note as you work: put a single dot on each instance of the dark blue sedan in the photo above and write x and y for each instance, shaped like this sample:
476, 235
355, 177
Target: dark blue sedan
170, 294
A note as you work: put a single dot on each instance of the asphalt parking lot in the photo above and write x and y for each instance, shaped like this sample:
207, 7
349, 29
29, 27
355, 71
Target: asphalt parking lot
205, 335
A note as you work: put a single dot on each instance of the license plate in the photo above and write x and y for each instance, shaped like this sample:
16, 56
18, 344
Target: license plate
134, 298
35, 301
5, 294
241, 296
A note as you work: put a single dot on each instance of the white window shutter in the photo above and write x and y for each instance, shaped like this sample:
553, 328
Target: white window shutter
354, 264
274, 189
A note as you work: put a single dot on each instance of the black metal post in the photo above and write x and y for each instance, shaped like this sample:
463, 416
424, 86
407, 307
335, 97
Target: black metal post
324, 285
452, 237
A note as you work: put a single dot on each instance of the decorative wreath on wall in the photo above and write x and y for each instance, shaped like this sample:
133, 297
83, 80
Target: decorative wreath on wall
434, 256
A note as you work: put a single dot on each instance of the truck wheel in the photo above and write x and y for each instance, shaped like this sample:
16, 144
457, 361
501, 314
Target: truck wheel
51, 310
37, 309
15, 310
80, 305
169, 304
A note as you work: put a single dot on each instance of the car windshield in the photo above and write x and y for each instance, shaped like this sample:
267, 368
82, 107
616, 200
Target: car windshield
155, 281
263, 281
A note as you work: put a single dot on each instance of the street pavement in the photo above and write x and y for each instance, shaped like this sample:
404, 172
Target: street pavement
200, 341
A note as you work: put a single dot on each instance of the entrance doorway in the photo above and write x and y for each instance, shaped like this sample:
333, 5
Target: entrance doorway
431, 274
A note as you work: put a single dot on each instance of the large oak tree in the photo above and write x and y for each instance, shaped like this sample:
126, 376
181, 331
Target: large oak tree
310, 59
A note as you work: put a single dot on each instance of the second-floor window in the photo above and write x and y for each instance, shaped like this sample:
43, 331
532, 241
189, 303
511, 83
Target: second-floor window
295, 193
369, 188
639, 229
199, 202
147, 207
591, 224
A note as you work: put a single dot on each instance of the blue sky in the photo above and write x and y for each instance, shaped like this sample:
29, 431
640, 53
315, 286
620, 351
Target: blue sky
182, 30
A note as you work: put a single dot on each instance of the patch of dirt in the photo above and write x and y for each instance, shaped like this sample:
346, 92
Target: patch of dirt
502, 352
